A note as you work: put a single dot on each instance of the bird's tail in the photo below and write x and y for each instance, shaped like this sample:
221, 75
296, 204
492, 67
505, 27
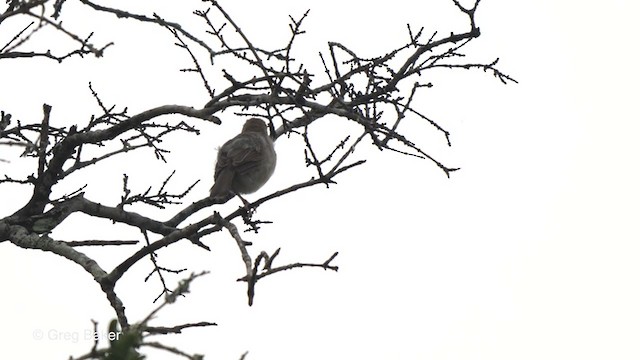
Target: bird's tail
222, 186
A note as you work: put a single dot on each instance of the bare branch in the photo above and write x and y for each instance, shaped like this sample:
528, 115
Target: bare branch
176, 329
156, 20
20, 237
75, 243
44, 139
272, 270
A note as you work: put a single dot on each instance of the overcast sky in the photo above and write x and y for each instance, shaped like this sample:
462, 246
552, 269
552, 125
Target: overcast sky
530, 251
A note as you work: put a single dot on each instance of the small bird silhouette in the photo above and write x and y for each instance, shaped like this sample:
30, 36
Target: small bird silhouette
245, 162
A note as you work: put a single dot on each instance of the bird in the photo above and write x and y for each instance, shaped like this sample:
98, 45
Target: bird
244, 163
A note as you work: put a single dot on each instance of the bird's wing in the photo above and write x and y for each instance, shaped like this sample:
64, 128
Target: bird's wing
241, 154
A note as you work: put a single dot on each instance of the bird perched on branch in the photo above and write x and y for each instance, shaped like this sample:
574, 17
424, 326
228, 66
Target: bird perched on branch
245, 162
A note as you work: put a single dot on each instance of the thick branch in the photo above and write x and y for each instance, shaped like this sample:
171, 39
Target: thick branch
20, 237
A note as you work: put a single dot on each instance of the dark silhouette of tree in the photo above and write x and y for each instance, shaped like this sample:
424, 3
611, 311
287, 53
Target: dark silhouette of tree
374, 93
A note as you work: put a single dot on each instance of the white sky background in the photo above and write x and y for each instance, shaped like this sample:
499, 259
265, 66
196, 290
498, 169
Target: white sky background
529, 252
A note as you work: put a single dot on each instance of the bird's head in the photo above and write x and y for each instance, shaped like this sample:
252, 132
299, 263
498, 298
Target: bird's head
255, 125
